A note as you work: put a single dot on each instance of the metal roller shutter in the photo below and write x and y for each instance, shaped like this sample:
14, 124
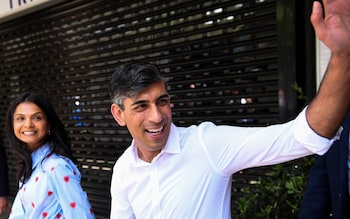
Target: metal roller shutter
220, 58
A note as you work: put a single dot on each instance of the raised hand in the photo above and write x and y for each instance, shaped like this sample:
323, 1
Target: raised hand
334, 28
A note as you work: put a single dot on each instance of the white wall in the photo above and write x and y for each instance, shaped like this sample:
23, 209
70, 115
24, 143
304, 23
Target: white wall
322, 57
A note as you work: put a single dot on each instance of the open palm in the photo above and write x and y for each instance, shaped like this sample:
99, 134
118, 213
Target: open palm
334, 28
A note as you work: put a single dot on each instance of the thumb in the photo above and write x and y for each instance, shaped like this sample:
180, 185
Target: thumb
316, 19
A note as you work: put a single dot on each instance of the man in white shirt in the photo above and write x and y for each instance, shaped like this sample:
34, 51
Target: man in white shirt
176, 172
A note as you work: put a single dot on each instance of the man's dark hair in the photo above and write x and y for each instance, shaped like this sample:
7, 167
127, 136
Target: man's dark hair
130, 78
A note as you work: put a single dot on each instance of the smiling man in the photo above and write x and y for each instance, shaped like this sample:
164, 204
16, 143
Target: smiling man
147, 115
172, 172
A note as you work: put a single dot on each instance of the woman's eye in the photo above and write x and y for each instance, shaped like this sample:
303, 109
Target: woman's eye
37, 118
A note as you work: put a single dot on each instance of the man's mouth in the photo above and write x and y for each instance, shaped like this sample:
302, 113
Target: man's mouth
155, 131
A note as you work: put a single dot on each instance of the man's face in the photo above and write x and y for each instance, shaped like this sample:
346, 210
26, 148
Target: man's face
148, 119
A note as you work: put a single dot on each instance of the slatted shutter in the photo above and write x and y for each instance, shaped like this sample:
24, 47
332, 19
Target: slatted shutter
220, 58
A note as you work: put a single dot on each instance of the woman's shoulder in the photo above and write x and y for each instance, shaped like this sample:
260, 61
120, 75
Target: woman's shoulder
54, 162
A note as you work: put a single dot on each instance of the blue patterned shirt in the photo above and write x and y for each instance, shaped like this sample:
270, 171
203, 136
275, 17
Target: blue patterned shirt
52, 191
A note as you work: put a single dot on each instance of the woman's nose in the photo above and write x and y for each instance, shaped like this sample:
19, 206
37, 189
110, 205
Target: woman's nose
28, 123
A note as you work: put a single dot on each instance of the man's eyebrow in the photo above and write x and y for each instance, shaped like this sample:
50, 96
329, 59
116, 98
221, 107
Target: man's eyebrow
164, 96
139, 102
146, 101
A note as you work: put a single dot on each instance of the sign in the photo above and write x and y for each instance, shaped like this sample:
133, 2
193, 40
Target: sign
10, 9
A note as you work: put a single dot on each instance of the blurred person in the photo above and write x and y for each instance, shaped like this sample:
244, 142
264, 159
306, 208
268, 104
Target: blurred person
185, 172
4, 183
327, 191
49, 180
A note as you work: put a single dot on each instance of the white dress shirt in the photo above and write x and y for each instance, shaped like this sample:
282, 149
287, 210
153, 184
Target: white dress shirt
191, 177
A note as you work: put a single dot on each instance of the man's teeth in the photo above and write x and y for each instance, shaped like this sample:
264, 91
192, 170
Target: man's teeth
155, 131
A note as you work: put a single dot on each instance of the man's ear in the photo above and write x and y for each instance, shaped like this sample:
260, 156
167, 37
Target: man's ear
118, 114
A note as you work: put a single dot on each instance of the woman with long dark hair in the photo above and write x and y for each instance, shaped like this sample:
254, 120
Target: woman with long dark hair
49, 180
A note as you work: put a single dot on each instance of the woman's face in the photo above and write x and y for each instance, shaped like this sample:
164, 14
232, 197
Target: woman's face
30, 125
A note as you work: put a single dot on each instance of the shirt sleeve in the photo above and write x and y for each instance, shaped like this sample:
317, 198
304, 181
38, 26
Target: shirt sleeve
309, 139
65, 181
233, 148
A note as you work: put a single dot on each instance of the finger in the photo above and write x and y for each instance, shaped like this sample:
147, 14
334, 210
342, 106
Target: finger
327, 5
317, 20
317, 13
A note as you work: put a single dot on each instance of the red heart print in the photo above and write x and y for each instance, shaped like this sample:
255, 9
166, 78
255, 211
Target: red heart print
73, 204
66, 178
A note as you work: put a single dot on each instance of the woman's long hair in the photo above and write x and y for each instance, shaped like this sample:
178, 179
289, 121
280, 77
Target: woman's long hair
58, 138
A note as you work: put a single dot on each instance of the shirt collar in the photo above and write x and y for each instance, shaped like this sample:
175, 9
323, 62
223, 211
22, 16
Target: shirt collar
171, 147
39, 154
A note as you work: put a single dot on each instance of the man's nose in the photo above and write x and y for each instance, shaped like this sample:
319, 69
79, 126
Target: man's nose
154, 114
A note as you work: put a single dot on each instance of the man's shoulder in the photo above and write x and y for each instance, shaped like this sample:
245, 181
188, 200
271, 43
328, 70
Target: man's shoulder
197, 127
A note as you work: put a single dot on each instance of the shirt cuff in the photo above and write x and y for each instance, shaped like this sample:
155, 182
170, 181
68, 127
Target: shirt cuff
310, 139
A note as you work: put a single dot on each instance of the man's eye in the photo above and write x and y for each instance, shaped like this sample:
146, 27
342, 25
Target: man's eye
163, 102
140, 107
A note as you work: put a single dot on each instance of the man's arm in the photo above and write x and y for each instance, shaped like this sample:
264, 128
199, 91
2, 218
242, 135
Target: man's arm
327, 110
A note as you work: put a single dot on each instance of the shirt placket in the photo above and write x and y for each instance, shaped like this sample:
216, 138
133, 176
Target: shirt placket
156, 210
